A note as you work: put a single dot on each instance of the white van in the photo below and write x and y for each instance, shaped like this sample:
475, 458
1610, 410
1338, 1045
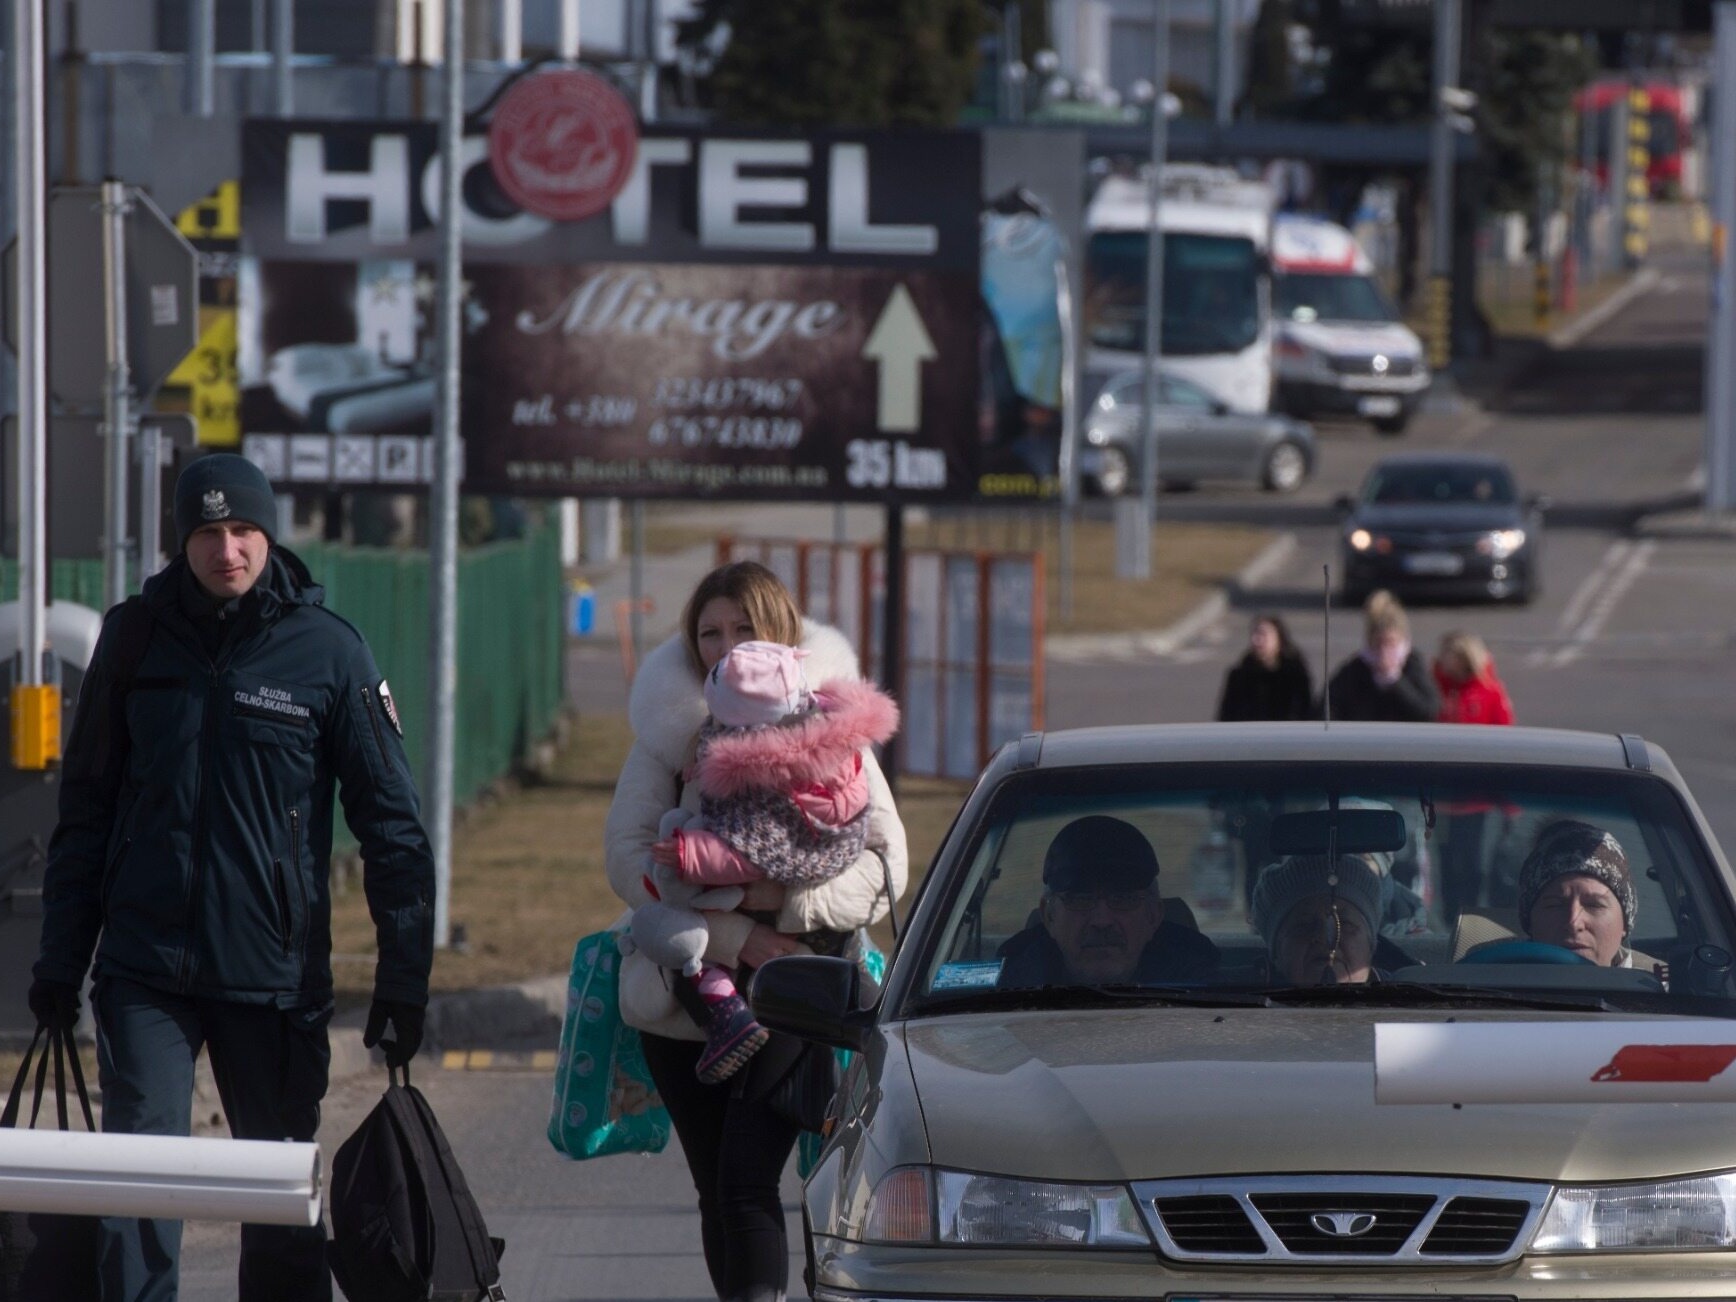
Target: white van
1340, 346
1217, 326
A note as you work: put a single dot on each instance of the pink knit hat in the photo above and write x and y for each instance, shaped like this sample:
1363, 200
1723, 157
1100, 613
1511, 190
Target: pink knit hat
756, 682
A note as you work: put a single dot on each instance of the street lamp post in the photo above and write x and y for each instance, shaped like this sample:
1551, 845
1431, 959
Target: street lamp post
1134, 520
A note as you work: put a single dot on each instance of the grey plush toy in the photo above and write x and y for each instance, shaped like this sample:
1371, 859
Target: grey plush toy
670, 930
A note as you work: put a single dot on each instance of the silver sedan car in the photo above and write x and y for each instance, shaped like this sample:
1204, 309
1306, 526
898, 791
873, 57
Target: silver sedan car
1198, 437
1208, 1012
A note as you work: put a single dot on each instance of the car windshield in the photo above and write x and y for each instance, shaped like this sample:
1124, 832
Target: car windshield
1454, 884
1323, 297
1439, 483
1211, 292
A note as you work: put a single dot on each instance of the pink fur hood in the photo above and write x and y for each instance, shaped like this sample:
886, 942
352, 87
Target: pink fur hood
815, 749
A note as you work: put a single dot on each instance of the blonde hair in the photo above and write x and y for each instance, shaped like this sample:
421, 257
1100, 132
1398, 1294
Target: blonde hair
762, 596
1381, 613
1470, 649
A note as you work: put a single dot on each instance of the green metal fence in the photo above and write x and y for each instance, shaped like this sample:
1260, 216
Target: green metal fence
511, 603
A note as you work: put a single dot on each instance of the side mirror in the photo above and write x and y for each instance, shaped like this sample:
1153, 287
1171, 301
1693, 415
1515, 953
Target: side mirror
812, 997
1343, 504
1539, 502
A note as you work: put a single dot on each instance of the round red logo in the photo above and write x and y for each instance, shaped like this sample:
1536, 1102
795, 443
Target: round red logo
562, 144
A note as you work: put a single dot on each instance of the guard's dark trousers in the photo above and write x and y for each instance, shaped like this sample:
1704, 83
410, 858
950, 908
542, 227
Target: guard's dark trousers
271, 1067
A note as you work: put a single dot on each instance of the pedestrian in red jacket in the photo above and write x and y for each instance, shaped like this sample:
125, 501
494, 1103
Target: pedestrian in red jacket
1471, 692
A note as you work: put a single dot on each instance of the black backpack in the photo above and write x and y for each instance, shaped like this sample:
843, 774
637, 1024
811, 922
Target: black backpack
404, 1225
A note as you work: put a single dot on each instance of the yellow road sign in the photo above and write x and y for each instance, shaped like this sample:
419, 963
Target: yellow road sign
212, 381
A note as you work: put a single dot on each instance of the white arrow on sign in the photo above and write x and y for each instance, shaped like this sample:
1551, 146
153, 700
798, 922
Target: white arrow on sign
900, 343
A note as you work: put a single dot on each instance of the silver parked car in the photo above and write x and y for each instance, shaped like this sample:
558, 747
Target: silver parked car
1198, 437
1407, 1060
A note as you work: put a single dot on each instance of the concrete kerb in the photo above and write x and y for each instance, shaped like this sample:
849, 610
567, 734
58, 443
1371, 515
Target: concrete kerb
1164, 641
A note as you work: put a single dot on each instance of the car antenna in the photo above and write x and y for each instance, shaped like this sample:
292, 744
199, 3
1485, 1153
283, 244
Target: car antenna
1326, 644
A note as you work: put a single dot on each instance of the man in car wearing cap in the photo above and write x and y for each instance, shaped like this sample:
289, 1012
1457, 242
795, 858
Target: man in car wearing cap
221, 711
1101, 919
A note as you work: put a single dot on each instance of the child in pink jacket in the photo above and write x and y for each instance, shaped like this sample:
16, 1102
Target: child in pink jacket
782, 795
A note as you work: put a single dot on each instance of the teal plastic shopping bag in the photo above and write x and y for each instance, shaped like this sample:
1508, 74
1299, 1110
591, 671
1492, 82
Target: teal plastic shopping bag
604, 1100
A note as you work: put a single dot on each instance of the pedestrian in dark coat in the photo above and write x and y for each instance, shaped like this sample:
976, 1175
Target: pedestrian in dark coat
1386, 681
223, 712
1271, 682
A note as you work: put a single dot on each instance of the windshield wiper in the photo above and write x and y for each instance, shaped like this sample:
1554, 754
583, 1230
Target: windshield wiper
1411, 994
1042, 997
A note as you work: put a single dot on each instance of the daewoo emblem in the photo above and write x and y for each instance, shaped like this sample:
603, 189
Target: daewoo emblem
1343, 1225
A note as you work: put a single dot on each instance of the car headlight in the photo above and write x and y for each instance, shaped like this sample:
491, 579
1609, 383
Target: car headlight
1096, 435
1360, 540
1501, 543
1678, 1216
916, 1205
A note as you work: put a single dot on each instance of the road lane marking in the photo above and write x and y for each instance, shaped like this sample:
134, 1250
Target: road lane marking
1571, 613
489, 1060
1624, 578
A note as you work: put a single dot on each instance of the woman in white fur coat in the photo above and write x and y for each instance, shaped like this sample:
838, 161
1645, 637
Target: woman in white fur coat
735, 1144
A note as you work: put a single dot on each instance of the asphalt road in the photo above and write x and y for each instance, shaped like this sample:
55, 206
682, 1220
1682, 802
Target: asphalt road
1634, 630
1633, 633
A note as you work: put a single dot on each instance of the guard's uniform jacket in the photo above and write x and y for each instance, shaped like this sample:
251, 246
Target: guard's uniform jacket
196, 804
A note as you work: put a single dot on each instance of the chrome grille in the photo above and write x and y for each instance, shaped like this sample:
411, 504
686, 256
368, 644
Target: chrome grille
1476, 1225
1310, 1220
1397, 368
1213, 1224
1292, 1218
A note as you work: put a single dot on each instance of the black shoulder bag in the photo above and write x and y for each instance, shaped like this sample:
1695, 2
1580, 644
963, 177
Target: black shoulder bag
46, 1256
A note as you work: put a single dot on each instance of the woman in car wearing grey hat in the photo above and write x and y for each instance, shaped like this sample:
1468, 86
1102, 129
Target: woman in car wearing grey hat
1575, 891
1319, 922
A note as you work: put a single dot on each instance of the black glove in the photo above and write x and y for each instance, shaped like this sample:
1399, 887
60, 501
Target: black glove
406, 1022
56, 1003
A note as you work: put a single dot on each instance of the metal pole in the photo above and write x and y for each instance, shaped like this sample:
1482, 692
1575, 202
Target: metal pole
1587, 197
892, 631
1224, 73
1012, 41
636, 574
1069, 460
1616, 248
151, 501
1721, 340
648, 60
30, 185
511, 15
1142, 558
1446, 76
568, 44
117, 394
443, 526
282, 47
201, 96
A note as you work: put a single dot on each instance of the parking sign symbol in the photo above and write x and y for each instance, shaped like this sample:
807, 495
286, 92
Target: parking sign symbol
397, 459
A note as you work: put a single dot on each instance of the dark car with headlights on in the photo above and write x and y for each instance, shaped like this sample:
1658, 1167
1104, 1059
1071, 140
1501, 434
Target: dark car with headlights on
1094, 1072
1198, 437
1446, 525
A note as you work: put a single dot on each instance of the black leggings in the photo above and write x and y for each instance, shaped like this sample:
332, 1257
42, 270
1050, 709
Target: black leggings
736, 1149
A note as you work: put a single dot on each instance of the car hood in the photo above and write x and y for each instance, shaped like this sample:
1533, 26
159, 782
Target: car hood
1140, 1094
1458, 517
1356, 338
